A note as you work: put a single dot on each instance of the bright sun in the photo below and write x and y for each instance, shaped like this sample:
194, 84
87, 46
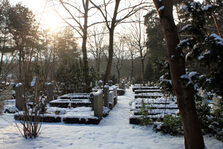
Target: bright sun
50, 20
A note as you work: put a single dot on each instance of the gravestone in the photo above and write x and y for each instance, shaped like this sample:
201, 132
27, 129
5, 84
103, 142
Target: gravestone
106, 93
115, 95
110, 82
19, 96
111, 99
49, 92
98, 104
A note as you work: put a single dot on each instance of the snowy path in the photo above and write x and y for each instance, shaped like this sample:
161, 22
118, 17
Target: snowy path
113, 132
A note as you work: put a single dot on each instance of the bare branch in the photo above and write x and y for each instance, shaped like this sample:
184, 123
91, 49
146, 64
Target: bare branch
102, 13
62, 3
73, 6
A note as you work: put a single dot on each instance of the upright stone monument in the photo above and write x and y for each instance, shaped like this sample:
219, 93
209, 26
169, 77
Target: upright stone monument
98, 104
106, 94
19, 96
50, 91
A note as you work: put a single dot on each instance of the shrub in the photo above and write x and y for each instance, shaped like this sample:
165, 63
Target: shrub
171, 125
31, 119
144, 119
203, 112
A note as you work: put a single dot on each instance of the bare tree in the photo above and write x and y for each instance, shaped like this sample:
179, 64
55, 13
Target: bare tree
183, 90
80, 18
138, 40
96, 43
119, 55
132, 53
117, 16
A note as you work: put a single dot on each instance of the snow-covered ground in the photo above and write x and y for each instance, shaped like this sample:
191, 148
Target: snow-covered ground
113, 132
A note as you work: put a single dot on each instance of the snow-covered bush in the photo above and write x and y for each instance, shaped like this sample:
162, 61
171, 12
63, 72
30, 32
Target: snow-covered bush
202, 46
165, 82
203, 49
171, 125
203, 111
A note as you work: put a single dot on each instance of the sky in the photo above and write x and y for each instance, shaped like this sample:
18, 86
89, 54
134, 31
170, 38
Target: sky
44, 12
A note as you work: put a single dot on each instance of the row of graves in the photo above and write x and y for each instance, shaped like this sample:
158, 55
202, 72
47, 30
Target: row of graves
150, 103
80, 108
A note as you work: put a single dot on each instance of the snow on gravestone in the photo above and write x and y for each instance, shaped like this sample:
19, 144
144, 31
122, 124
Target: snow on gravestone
111, 99
98, 104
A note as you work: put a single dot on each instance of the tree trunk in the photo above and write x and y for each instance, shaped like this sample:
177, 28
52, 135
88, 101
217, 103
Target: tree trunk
20, 65
84, 48
99, 66
1, 63
184, 93
110, 55
118, 72
132, 68
2, 53
142, 71
142, 63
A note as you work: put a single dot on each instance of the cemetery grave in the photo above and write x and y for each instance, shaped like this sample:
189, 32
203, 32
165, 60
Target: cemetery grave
81, 108
149, 102
75, 99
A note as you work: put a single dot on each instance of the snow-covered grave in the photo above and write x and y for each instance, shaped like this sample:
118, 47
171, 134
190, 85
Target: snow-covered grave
110, 95
113, 96
121, 89
87, 108
142, 87
147, 91
114, 131
151, 103
79, 108
149, 95
75, 99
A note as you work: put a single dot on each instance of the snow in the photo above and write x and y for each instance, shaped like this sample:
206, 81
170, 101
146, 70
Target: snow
70, 101
172, 57
182, 42
114, 131
191, 74
33, 81
99, 92
72, 112
155, 94
188, 78
185, 27
161, 8
217, 39
75, 96
200, 57
18, 84
205, 8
